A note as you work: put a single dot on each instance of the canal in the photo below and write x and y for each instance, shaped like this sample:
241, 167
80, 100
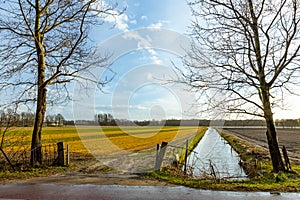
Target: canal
213, 157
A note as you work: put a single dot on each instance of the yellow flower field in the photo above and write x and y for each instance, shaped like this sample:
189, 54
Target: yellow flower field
86, 139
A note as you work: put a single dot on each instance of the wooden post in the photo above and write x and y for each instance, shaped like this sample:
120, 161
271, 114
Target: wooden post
186, 155
68, 155
60, 154
156, 158
286, 159
160, 155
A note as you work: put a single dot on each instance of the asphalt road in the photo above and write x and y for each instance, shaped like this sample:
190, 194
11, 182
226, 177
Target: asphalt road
88, 191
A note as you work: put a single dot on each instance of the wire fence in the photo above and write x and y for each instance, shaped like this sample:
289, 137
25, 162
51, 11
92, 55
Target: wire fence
173, 155
48, 152
20, 158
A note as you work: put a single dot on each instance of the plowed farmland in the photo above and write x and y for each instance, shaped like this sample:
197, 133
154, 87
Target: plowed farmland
290, 138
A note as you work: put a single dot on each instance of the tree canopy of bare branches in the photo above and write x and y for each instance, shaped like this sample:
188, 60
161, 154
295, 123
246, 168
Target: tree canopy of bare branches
247, 54
44, 46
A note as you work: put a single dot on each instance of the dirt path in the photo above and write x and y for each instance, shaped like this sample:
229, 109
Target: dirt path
92, 173
95, 179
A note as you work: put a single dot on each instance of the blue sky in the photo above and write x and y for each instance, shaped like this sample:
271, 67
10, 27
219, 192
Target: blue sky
139, 89
144, 40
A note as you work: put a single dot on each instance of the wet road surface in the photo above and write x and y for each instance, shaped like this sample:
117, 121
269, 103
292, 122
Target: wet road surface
89, 191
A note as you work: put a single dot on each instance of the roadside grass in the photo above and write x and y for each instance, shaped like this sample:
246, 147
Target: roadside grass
193, 143
267, 183
6, 176
257, 165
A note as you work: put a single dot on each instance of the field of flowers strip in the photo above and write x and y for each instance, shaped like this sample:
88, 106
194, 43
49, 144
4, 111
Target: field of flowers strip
104, 139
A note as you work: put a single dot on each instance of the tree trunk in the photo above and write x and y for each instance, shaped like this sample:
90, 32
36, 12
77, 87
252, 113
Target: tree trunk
36, 151
276, 158
273, 146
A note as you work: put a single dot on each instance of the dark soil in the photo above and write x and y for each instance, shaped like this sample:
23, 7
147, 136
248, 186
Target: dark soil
290, 138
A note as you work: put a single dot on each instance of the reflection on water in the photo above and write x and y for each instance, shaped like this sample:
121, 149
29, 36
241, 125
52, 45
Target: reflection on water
215, 157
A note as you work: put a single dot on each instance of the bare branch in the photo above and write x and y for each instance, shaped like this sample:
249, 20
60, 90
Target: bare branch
240, 43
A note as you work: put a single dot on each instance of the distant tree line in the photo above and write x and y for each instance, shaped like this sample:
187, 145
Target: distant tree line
107, 119
54, 120
287, 123
26, 119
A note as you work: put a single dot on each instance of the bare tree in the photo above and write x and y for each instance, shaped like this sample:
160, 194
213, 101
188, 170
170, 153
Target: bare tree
44, 46
245, 57
7, 121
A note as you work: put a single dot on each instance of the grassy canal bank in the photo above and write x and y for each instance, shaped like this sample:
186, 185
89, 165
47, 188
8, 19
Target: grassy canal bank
256, 163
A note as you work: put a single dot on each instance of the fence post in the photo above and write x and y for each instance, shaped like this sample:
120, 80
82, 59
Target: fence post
68, 155
286, 159
157, 151
160, 155
60, 151
186, 155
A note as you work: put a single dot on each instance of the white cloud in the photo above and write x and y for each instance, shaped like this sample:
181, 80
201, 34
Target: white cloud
144, 17
120, 20
156, 25
159, 24
156, 60
143, 43
133, 22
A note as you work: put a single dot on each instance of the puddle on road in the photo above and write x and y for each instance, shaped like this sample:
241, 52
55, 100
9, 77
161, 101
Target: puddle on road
214, 157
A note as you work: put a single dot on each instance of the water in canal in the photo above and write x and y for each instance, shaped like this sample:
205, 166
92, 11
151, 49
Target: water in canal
214, 157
